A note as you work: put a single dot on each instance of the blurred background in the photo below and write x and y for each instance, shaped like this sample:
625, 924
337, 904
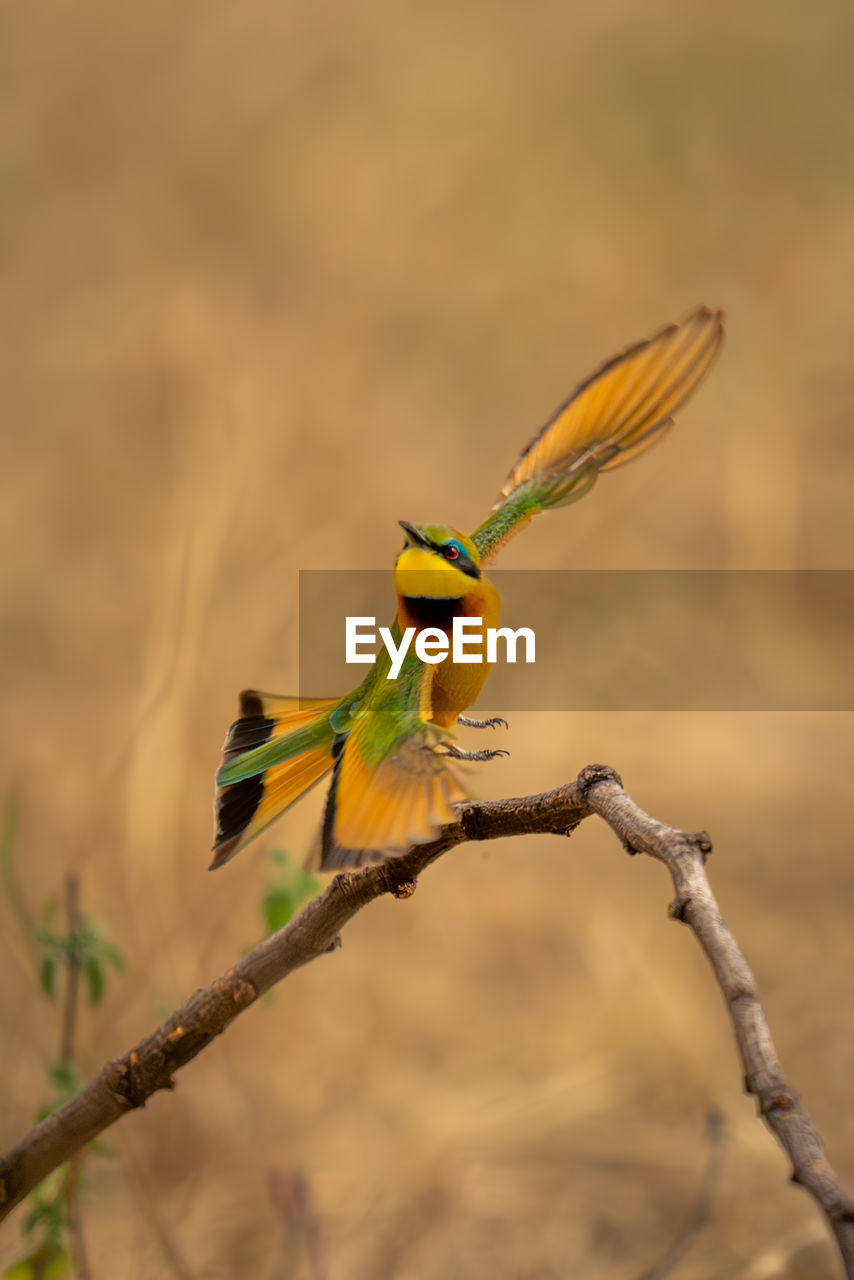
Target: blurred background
275, 276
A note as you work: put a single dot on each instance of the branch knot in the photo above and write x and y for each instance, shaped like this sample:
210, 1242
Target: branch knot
471, 823
593, 774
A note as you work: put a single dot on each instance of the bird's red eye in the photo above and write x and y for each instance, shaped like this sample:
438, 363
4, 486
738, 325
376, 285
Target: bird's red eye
452, 552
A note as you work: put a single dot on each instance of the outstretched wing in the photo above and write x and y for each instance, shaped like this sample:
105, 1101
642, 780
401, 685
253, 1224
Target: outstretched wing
394, 785
611, 418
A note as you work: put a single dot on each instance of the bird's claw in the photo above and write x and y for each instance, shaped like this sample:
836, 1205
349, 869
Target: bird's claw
459, 753
492, 723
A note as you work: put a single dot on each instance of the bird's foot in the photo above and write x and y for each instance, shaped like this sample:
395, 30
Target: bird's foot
483, 724
458, 753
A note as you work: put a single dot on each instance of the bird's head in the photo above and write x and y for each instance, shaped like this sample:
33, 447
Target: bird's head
436, 562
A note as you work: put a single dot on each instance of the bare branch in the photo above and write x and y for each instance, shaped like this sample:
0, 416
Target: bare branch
141, 1187
67, 1045
128, 1081
699, 1215
290, 1195
72, 966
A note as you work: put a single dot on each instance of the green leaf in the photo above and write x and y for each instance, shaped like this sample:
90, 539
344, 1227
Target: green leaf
287, 891
277, 908
307, 885
113, 955
59, 1074
84, 946
46, 1215
66, 1083
47, 975
94, 978
64, 1079
51, 942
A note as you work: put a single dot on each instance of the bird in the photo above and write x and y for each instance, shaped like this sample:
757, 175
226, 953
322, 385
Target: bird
390, 744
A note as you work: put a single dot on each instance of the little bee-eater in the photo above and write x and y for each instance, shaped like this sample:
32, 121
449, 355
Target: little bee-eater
390, 743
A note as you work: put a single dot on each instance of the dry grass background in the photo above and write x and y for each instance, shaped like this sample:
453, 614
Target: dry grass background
273, 277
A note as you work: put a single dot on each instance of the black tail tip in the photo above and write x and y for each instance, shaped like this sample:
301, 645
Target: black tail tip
223, 852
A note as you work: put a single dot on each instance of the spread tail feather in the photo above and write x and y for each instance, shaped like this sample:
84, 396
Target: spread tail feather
290, 740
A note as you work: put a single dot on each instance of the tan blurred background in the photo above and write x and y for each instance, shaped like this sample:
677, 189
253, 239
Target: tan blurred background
273, 277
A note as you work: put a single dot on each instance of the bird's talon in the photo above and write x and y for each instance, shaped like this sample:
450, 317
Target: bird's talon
458, 753
492, 723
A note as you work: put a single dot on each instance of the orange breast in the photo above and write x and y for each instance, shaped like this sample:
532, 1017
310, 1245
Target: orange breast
456, 685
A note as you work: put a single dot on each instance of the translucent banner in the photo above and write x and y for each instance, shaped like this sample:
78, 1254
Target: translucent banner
621, 640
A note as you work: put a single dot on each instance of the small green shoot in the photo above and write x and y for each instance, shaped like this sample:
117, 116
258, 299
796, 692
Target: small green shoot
288, 890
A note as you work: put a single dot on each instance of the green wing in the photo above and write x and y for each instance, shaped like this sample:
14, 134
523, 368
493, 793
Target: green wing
243, 759
278, 740
616, 414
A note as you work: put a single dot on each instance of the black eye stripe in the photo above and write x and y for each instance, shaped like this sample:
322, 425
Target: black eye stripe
461, 560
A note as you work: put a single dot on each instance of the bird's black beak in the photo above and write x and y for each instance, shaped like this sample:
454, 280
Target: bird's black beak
414, 537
